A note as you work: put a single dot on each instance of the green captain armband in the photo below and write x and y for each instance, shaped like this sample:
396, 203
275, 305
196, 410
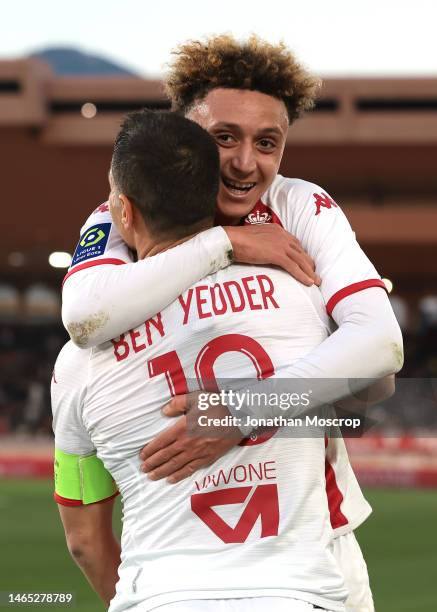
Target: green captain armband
82, 479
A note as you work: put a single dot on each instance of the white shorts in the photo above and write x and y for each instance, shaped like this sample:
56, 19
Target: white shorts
350, 559
246, 604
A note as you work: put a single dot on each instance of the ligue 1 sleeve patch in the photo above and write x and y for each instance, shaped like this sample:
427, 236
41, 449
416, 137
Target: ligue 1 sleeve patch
92, 243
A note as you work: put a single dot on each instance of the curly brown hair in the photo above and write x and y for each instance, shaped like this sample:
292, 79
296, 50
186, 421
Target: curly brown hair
222, 61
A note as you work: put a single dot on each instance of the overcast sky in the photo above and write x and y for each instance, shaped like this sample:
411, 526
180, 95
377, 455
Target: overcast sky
332, 37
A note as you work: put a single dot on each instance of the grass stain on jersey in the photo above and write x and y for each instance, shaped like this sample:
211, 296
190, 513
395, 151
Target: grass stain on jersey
80, 332
398, 352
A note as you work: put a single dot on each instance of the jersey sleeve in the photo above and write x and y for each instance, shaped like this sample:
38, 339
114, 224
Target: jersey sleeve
101, 299
80, 477
99, 243
317, 221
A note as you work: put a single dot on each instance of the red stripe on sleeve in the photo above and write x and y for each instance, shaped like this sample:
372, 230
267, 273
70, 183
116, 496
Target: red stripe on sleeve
66, 502
78, 502
90, 264
354, 288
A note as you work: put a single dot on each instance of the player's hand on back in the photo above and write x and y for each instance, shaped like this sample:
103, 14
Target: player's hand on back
271, 244
187, 446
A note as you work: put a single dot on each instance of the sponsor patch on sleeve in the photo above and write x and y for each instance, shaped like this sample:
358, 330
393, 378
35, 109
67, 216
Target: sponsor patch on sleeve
92, 243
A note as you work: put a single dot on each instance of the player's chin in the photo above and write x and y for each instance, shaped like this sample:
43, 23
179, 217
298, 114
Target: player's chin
236, 209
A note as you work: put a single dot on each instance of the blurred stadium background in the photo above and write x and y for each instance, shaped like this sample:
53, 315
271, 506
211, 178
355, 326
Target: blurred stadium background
372, 143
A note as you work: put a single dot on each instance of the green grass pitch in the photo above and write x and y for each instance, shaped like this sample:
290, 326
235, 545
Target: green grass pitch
399, 542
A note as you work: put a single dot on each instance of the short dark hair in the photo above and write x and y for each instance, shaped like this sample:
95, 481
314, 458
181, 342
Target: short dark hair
168, 166
254, 64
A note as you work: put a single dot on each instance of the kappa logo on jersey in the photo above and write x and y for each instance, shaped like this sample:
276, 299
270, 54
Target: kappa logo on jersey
263, 504
102, 208
322, 200
92, 243
258, 218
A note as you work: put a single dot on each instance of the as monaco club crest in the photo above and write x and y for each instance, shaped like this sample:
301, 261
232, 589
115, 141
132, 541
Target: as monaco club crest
258, 218
261, 214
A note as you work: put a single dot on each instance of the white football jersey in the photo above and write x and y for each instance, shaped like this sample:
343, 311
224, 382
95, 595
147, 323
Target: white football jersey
310, 214
256, 522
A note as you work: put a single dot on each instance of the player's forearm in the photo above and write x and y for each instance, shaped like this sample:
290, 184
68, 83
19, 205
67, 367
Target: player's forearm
374, 394
104, 301
99, 561
367, 346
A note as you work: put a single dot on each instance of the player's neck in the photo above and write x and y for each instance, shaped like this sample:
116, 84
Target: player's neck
221, 219
152, 248
148, 245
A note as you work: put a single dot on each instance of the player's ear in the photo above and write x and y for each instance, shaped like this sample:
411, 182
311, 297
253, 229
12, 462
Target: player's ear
127, 213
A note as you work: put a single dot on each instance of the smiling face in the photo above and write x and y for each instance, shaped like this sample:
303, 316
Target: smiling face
250, 129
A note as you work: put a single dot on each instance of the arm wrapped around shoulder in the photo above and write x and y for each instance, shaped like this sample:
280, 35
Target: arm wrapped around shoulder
369, 328
366, 347
102, 302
